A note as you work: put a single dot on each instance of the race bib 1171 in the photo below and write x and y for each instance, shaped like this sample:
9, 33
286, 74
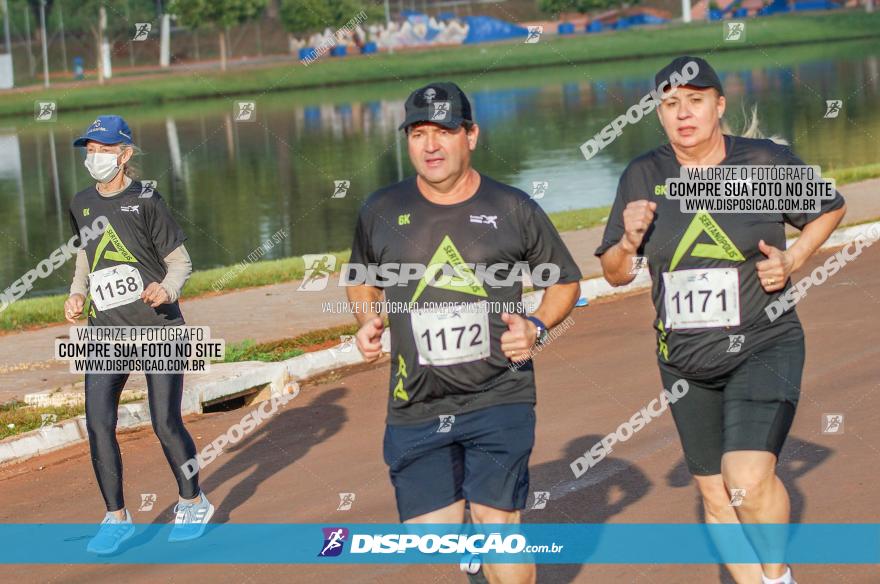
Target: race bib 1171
701, 298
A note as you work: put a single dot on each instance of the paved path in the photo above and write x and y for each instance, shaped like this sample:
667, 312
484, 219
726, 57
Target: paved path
280, 311
328, 440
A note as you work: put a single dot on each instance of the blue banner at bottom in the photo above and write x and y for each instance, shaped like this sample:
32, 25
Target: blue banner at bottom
566, 543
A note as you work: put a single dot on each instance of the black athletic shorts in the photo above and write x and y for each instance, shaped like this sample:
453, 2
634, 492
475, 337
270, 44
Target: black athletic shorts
480, 456
750, 408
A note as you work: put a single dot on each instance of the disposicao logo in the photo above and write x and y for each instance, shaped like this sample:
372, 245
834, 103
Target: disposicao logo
334, 541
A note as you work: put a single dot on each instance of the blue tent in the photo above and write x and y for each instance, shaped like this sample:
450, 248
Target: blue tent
483, 29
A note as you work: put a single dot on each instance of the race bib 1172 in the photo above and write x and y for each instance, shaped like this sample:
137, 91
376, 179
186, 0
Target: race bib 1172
451, 337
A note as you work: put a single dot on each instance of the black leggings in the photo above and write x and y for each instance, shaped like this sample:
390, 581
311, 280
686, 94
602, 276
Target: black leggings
164, 392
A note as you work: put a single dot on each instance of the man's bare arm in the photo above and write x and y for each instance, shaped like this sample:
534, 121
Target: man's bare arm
557, 303
363, 300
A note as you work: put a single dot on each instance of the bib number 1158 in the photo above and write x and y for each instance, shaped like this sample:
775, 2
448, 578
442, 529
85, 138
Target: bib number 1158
115, 286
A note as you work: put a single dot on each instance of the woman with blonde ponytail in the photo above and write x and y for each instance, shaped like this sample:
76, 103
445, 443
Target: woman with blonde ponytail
713, 277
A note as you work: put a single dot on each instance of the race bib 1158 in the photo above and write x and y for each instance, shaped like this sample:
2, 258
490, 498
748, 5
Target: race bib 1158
115, 286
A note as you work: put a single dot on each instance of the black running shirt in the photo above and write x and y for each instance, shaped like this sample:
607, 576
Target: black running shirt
498, 224
140, 234
695, 241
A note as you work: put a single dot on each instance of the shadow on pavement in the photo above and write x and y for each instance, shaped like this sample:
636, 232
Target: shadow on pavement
601, 493
277, 443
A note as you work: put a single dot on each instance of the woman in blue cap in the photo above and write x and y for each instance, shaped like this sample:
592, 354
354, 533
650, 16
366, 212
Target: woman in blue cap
140, 251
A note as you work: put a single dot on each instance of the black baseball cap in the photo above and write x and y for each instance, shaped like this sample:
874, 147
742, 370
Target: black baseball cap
704, 79
442, 103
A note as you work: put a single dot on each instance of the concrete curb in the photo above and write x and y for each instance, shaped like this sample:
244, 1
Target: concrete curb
65, 433
73, 394
259, 381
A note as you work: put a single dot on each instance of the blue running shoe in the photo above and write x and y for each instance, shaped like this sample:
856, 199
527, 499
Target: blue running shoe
112, 533
191, 519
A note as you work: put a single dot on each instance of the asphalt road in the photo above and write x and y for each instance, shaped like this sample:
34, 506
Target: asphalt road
328, 440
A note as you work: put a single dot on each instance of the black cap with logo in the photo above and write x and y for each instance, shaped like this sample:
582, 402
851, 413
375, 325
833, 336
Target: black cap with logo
705, 78
441, 103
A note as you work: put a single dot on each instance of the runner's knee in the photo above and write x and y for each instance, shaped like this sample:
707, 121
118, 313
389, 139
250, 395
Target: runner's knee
716, 499
485, 514
754, 480
101, 427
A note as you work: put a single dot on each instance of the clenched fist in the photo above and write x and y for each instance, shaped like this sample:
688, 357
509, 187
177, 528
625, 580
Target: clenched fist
73, 307
519, 337
155, 295
368, 339
637, 218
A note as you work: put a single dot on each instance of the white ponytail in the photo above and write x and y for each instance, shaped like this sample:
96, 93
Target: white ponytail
751, 128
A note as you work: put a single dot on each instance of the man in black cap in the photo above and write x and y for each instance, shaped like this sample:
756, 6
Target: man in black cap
460, 423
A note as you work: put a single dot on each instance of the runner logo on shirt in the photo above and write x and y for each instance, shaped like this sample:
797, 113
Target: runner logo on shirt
399, 391
722, 248
485, 219
463, 278
117, 251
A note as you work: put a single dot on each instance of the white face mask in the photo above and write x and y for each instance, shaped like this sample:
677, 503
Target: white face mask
102, 166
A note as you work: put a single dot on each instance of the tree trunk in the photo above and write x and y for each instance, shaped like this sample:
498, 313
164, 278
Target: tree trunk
96, 34
102, 26
222, 39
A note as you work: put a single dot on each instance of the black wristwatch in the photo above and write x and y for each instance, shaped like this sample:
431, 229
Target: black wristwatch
543, 333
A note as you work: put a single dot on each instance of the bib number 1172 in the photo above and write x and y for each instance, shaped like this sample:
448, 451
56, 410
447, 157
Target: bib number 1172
448, 338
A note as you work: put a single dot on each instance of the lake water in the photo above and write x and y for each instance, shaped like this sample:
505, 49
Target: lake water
232, 184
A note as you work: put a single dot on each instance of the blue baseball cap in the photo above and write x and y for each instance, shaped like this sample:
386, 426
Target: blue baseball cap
106, 130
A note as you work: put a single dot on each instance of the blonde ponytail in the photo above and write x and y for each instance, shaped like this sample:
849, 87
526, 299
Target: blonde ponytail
751, 128
132, 169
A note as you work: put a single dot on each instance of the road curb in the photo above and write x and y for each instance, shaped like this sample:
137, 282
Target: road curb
259, 381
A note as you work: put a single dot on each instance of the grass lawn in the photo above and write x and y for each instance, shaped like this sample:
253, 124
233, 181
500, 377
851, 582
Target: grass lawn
17, 417
581, 48
248, 350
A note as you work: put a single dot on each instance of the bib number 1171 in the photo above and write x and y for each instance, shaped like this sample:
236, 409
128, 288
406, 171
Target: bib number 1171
701, 298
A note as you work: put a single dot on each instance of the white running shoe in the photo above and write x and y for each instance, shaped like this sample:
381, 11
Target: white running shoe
786, 578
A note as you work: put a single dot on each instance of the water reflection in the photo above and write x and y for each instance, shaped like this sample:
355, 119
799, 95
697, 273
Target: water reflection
232, 184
